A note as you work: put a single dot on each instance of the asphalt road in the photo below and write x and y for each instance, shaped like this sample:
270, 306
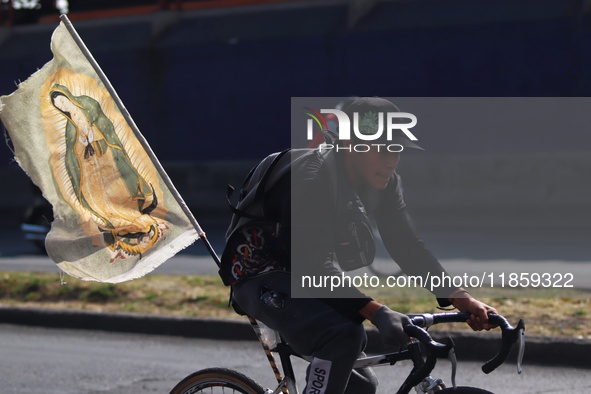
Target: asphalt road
38, 360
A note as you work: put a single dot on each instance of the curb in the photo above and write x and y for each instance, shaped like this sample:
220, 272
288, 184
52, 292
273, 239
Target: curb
548, 351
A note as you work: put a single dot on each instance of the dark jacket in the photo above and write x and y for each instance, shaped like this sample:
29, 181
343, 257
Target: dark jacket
314, 208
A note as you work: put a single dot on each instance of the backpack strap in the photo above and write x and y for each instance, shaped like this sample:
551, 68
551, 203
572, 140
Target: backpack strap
331, 165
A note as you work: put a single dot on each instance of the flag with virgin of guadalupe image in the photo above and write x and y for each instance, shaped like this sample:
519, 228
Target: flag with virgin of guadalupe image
117, 216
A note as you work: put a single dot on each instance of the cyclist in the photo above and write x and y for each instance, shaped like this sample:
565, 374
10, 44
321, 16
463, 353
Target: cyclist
314, 217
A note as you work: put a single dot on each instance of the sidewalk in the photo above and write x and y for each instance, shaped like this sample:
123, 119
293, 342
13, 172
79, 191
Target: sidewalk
551, 351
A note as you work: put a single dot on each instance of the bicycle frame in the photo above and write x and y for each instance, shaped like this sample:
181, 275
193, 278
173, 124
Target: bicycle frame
413, 351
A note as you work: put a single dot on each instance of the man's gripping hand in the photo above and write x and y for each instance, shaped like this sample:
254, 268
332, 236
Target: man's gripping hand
478, 310
389, 323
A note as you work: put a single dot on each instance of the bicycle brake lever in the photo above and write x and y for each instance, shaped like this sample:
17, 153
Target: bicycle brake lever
454, 362
521, 344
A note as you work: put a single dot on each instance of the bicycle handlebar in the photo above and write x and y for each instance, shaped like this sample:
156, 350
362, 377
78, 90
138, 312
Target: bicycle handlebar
436, 349
510, 335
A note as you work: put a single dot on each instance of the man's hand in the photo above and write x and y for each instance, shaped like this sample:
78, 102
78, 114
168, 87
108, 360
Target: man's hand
478, 310
388, 322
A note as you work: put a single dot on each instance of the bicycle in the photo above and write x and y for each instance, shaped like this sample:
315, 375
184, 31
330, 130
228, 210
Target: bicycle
421, 342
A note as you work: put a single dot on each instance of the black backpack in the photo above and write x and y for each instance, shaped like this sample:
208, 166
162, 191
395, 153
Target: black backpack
250, 229
251, 238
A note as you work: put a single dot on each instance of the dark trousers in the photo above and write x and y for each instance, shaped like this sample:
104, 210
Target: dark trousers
314, 329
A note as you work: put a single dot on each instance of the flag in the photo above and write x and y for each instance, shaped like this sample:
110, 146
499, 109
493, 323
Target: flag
117, 215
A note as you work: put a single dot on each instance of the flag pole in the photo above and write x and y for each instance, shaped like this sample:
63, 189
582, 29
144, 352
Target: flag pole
139, 136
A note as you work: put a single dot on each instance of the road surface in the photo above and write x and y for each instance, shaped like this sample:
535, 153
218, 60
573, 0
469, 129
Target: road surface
50, 361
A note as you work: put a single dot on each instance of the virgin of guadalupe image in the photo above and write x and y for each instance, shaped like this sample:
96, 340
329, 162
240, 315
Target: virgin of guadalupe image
102, 178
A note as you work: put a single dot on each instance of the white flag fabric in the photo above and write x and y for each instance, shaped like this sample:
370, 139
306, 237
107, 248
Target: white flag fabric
115, 217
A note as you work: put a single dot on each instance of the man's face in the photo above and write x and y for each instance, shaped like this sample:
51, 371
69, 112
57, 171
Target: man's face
372, 168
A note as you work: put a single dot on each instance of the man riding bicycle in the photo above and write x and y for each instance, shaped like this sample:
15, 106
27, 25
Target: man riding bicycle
310, 208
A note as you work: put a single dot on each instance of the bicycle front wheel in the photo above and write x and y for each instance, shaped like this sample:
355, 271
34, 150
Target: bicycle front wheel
217, 380
463, 390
